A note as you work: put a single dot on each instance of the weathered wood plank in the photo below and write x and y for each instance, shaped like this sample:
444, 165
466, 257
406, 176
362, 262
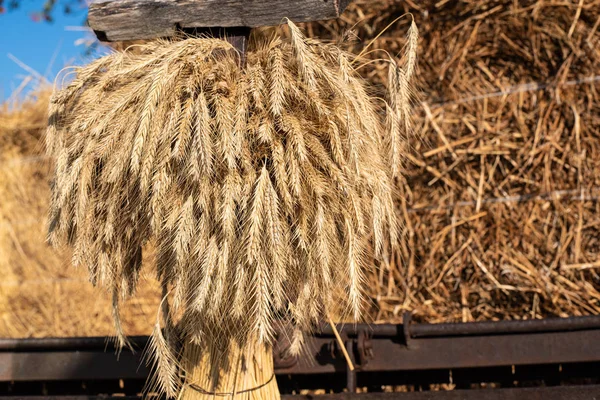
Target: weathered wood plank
117, 20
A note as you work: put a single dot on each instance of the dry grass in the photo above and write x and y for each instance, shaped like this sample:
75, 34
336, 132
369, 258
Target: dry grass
501, 196
40, 294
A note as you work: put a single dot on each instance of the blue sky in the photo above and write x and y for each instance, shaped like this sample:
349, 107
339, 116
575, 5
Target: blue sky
43, 46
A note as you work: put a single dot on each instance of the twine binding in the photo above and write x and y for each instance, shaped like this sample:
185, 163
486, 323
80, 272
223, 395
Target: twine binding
223, 394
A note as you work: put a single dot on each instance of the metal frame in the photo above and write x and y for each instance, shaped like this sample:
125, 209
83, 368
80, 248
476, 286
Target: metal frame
544, 393
548, 351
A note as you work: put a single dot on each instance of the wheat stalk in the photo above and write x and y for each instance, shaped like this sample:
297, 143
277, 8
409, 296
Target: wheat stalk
266, 190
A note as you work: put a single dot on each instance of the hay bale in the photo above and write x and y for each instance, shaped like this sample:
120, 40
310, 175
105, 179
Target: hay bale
501, 196
40, 294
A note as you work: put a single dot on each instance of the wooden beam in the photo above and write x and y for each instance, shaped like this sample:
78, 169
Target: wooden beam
119, 20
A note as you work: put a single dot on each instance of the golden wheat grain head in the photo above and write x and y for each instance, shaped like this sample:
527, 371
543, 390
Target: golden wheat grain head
267, 190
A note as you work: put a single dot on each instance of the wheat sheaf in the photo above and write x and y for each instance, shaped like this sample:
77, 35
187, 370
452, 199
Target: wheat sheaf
266, 190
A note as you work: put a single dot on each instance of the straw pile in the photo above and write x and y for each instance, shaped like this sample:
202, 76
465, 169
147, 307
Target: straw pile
267, 191
501, 201
40, 294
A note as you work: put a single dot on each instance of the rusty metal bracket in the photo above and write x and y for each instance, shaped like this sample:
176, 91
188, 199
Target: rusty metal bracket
406, 322
350, 373
364, 347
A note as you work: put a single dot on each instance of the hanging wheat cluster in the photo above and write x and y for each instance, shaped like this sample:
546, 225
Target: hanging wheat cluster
265, 190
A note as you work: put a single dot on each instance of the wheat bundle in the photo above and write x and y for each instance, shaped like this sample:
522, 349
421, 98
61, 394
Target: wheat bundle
266, 190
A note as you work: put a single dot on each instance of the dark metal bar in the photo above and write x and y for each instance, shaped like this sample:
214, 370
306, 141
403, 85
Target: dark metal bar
352, 330
78, 397
590, 392
388, 355
374, 349
81, 397
457, 352
505, 327
66, 344
486, 351
350, 374
468, 328
73, 365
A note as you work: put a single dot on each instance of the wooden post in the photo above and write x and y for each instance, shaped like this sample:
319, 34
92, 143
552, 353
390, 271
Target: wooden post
120, 20
123, 20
